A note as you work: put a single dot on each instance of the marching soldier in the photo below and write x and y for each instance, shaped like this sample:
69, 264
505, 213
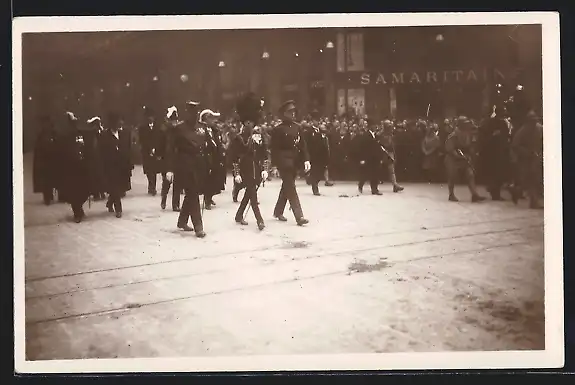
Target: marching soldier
216, 177
45, 167
151, 138
527, 150
318, 147
186, 162
385, 140
458, 157
432, 152
495, 151
288, 149
76, 167
369, 155
172, 121
115, 152
250, 158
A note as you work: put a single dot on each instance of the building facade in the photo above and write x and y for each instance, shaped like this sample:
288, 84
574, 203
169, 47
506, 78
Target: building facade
382, 72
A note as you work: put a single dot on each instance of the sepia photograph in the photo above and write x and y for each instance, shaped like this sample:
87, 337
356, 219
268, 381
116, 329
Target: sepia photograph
287, 192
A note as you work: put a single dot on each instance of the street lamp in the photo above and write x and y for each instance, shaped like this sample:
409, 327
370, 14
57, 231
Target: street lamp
265, 55
329, 44
155, 79
439, 38
128, 84
221, 64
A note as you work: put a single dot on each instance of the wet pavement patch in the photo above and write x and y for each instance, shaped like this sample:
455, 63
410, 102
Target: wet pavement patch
295, 245
362, 266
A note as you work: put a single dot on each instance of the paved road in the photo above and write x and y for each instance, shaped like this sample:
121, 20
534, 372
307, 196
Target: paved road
407, 272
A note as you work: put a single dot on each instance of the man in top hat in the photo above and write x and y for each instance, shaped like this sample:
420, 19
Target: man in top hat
527, 154
318, 147
76, 165
151, 140
369, 154
92, 136
186, 157
458, 157
494, 150
249, 155
115, 152
385, 139
288, 150
172, 121
216, 178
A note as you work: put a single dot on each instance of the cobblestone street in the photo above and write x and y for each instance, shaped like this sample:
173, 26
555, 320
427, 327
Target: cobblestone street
406, 272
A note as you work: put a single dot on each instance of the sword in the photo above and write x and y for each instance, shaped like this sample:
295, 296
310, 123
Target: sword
249, 206
467, 159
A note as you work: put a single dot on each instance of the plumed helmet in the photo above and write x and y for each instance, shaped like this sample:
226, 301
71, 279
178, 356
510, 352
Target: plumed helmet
249, 108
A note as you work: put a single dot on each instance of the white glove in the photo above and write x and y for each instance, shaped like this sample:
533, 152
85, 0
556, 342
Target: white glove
238, 179
306, 166
362, 162
170, 176
264, 175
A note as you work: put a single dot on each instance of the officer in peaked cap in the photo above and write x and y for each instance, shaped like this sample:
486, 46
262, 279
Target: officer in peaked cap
458, 148
288, 150
115, 149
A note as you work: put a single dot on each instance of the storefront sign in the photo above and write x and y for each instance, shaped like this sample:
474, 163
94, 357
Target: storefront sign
451, 76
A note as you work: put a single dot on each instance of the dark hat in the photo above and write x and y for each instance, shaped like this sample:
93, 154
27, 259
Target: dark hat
286, 106
249, 108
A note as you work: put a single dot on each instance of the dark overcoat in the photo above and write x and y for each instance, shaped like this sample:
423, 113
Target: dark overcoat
45, 167
115, 154
186, 156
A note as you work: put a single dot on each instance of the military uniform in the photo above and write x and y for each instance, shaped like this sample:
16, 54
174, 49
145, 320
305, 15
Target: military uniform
186, 158
458, 157
288, 151
388, 148
250, 158
527, 150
